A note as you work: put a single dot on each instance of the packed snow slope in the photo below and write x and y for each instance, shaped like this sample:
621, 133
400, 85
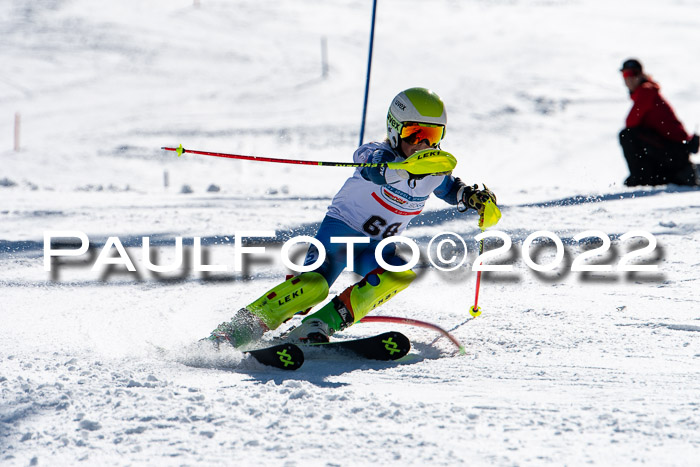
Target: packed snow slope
561, 368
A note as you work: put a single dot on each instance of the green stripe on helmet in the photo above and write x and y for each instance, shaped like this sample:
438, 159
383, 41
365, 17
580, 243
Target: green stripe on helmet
426, 102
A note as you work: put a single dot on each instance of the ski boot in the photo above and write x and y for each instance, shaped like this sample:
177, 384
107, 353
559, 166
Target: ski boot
351, 305
313, 330
277, 305
243, 329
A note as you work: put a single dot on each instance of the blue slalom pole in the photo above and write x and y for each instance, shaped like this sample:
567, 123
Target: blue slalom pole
369, 69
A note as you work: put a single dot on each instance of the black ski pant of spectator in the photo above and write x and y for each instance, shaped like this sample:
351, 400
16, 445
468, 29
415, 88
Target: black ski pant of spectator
653, 160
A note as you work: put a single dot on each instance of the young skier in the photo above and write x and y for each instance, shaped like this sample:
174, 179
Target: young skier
373, 204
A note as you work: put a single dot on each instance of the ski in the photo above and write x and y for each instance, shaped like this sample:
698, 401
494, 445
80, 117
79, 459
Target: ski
390, 345
283, 356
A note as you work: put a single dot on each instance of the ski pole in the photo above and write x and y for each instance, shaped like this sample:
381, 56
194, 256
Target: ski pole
428, 162
489, 217
475, 310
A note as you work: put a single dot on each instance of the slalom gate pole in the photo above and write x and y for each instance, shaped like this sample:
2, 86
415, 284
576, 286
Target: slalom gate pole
414, 322
369, 69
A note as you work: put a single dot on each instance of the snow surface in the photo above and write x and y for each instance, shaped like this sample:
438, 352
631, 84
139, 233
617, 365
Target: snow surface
562, 368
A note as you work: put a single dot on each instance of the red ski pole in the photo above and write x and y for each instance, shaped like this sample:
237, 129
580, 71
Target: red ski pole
427, 162
475, 310
180, 151
490, 216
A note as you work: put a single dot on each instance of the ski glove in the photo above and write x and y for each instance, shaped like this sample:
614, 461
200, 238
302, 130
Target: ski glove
694, 144
473, 197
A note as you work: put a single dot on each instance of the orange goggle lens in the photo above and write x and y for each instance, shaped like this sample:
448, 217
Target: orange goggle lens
414, 133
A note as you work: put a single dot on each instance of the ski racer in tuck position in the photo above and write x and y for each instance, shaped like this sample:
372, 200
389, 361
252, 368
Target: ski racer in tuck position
375, 203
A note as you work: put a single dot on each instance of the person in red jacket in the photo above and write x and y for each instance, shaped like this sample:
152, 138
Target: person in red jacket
655, 144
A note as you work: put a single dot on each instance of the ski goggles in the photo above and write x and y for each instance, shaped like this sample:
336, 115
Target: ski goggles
414, 133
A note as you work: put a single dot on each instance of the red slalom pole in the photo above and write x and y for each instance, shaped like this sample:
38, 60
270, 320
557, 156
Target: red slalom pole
413, 322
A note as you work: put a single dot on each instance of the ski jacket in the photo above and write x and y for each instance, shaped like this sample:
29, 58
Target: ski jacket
377, 202
650, 110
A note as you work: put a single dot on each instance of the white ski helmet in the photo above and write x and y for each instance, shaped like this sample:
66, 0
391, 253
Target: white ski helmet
414, 105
